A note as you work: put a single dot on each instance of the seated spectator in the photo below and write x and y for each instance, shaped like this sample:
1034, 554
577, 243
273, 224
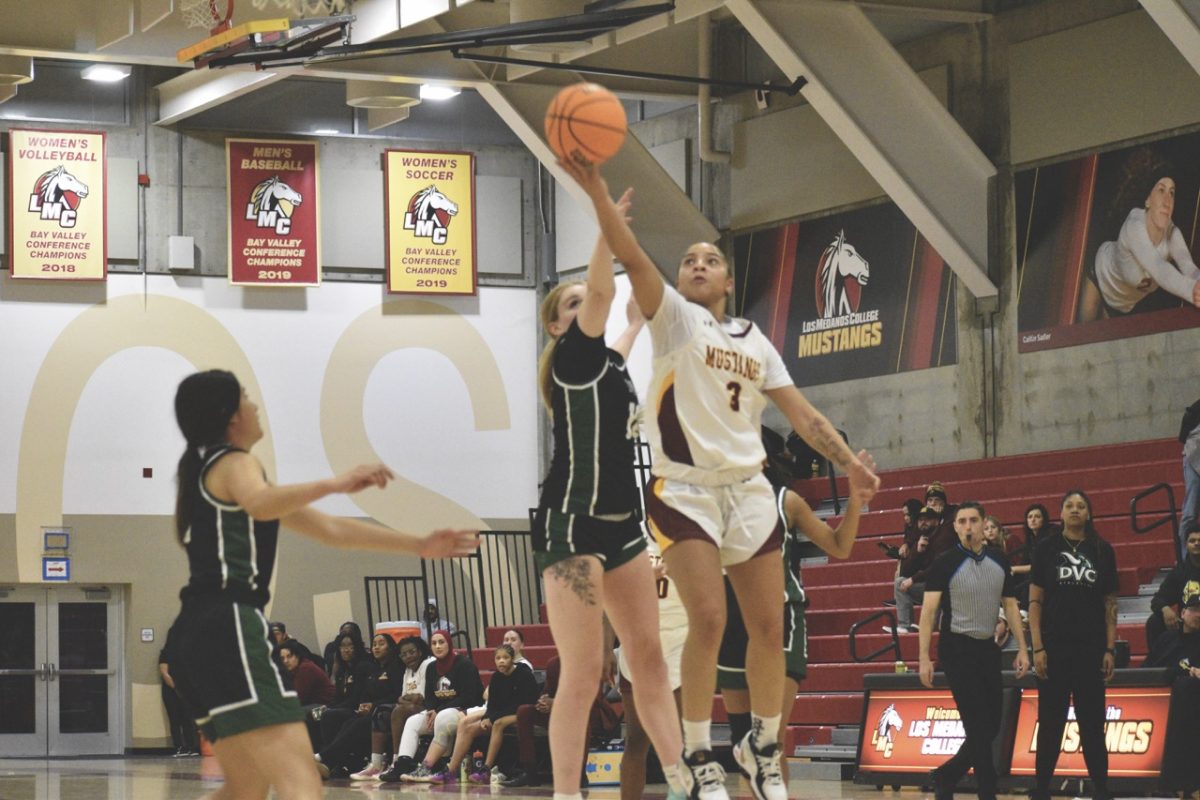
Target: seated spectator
452, 685
347, 629
280, 636
312, 685
1171, 591
512, 685
1036, 527
996, 536
346, 733
516, 640
908, 590
416, 658
1179, 651
350, 673
433, 621
910, 508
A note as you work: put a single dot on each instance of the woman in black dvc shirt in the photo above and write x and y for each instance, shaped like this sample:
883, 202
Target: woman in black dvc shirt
1073, 622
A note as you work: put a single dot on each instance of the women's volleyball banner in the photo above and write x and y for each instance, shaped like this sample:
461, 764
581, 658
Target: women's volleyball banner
1105, 245
849, 296
57, 205
274, 216
430, 222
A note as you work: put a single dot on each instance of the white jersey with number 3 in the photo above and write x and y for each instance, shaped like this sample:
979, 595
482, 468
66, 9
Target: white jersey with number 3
706, 398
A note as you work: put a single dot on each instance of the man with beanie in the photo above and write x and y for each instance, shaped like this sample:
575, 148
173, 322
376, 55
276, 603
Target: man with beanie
918, 558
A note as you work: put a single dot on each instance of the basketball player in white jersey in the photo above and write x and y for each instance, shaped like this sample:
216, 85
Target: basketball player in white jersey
709, 505
672, 633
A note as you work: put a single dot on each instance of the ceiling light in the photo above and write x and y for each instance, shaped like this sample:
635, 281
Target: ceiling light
106, 73
431, 91
326, 132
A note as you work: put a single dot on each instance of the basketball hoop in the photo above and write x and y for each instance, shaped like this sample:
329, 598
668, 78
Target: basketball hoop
207, 14
305, 8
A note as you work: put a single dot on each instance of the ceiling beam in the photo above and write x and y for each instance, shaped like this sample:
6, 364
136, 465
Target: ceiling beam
199, 90
888, 119
1180, 21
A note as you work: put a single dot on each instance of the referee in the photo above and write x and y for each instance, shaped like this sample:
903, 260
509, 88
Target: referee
968, 584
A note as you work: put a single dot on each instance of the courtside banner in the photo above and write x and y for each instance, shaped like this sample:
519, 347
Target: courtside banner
57, 205
849, 296
1135, 732
909, 730
429, 222
274, 216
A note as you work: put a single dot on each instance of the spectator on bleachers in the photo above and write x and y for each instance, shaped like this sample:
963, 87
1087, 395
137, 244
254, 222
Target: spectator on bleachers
386, 727
1171, 591
279, 638
312, 685
516, 640
512, 686
350, 673
1073, 622
345, 732
331, 649
909, 585
998, 537
943, 537
1036, 526
452, 685
910, 508
433, 621
1179, 650
1189, 435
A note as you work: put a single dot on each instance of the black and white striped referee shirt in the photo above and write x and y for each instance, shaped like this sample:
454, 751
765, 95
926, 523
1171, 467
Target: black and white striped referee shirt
971, 585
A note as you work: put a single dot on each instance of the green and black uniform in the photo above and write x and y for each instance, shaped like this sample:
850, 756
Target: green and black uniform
224, 668
731, 661
589, 501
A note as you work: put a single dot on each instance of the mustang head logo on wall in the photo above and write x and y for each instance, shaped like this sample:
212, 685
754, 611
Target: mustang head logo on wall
56, 195
841, 274
429, 212
271, 205
885, 730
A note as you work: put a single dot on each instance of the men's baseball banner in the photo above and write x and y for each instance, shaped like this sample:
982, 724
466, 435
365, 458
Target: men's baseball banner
274, 217
430, 222
1135, 732
57, 205
1105, 245
849, 296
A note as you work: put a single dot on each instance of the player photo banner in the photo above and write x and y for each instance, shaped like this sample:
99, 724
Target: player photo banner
430, 222
1135, 732
274, 216
1105, 245
849, 296
57, 205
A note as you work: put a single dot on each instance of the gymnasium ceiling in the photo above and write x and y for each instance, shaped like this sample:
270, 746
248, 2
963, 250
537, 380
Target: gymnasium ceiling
874, 102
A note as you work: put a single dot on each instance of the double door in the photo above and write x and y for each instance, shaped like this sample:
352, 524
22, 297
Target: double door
60, 682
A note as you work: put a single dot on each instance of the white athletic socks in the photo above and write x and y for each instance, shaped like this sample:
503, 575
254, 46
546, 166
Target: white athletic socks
764, 730
561, 796
697, 735
377, 760
674, 777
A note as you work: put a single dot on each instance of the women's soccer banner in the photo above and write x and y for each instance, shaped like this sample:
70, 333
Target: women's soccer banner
430, 222
1105, 243
274, 216
849, 296
57, 205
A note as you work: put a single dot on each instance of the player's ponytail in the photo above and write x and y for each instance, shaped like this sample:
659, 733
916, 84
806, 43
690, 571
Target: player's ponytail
549, 314
204, 404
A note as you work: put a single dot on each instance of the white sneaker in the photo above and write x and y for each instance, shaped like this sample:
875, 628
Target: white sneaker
708, 776
766, 777
371, 773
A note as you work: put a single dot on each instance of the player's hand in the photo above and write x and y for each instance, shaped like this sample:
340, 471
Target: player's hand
864, 483
361, 477
587, 175
1040, 667
1194, 672
1021, 663
906, 584
624, 203
1108, 666
926, 673
448, 544
485, 724
1170, 618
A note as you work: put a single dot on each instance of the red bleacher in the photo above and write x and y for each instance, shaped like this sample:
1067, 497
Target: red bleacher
843, 592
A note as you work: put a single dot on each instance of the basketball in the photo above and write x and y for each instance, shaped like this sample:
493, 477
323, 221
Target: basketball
585, 122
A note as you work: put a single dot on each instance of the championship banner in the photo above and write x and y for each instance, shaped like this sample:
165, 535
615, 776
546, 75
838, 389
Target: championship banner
849, 296
57, 205
274, 216
1135, 733
909, 731
429, 222
1106, 245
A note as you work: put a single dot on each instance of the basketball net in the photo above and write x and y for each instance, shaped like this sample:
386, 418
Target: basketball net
305, 8
212, 14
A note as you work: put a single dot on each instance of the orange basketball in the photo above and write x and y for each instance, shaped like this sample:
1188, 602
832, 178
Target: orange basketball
585, 122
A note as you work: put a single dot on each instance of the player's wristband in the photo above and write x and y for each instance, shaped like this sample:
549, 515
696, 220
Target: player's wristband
1037, 650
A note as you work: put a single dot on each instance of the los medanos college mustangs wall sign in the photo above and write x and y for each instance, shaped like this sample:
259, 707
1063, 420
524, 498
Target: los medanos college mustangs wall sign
430, 222
57, 205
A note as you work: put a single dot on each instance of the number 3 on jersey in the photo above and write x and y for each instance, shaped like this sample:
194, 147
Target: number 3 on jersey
735, 393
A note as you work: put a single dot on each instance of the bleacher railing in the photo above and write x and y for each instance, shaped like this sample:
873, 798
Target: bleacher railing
498, 585
893, 647
1171, 517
